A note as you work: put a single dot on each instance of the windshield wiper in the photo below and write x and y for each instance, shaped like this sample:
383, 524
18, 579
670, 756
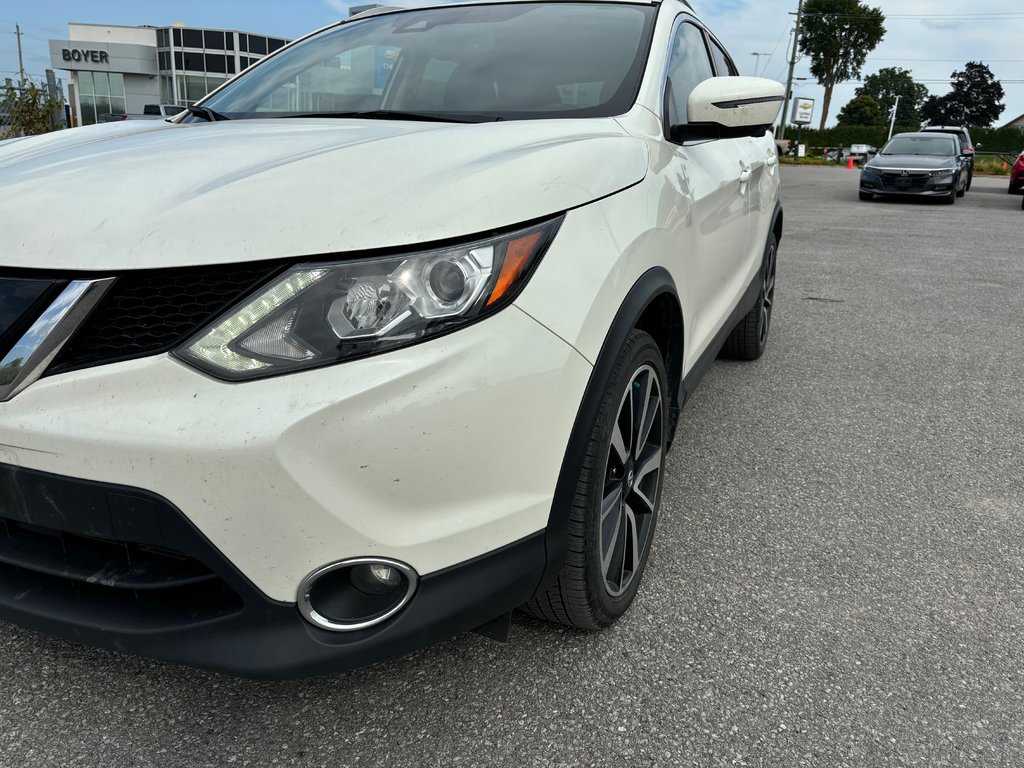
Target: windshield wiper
207, 114
394, 114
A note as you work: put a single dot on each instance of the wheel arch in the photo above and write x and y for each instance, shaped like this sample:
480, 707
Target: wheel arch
651, 305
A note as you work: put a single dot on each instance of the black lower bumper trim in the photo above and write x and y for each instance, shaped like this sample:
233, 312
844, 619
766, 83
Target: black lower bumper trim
249, 635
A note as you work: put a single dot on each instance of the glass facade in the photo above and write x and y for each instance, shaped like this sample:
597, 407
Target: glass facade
100, 93
193, 62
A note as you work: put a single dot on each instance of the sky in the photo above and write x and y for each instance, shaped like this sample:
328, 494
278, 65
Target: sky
932, 38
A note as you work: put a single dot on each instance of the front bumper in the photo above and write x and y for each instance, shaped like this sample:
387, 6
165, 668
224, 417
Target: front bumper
122, 569
434, 455
876, 184
1017, 184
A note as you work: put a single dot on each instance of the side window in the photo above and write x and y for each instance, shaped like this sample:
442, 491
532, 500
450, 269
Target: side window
723, 64
688, 66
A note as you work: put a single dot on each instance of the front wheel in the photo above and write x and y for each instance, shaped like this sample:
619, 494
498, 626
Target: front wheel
611, 523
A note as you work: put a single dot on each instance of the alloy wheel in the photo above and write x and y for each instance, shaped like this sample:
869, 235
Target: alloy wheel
767, 296
632, 480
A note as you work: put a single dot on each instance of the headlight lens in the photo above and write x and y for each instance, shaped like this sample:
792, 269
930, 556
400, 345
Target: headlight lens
945, 172
317, 314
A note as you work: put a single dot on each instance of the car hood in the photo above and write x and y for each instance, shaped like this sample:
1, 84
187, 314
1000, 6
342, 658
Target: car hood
143, 194
910, 162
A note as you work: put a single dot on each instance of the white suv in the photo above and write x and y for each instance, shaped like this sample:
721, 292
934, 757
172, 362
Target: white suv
397, 346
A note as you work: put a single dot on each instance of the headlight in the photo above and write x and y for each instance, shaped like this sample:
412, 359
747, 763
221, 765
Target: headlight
945, 172
318, 314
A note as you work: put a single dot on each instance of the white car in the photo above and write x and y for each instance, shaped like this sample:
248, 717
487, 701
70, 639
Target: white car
386, 339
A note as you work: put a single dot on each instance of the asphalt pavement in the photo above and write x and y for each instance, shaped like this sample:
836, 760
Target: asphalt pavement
837, 577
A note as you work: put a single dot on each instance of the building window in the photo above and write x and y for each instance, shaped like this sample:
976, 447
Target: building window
167, 90
216, 62
214, 40
192, 38
273, 44
194, 62
100, 93
257, 45
177, 38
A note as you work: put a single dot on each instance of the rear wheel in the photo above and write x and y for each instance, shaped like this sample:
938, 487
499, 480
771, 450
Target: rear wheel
748, 339
611, 523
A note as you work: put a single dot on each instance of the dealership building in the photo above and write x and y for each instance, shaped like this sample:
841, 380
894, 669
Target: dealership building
117, 69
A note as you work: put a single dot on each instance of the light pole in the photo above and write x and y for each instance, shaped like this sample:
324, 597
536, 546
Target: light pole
757, 60
892, 124
792, 68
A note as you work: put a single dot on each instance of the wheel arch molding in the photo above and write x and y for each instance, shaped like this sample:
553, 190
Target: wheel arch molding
651, 305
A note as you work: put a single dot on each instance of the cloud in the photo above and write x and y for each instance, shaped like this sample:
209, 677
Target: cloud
339, 6
933, 24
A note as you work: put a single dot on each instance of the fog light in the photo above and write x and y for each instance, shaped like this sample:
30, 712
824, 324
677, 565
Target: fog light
376, 579
356, 594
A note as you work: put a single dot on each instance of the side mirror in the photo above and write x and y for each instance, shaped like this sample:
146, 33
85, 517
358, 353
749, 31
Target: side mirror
730, 107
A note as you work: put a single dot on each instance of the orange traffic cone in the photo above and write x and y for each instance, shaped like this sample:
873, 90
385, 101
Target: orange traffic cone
849, 165
1004, 166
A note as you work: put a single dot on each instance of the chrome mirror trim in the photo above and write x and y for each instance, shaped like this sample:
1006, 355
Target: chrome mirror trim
35, 350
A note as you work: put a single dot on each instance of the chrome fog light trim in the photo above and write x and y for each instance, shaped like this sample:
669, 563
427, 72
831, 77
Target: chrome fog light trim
307, 600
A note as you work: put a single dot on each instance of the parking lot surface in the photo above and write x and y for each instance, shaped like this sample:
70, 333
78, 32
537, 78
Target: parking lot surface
837, 577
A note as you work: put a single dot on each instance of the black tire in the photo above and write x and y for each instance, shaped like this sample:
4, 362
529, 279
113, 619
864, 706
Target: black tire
748, 339
950, 199
970, 179
1022, 204
594, 586
865, 196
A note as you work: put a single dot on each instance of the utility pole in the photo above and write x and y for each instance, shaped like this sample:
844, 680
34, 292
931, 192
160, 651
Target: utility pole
895, 107
21, 63
792, 69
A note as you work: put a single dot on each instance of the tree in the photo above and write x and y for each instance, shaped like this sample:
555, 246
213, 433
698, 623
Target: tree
838, 35
975, 99
28, 110
888, 83
861, 110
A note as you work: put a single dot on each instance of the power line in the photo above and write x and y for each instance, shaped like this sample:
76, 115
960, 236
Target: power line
988, 61
927, 17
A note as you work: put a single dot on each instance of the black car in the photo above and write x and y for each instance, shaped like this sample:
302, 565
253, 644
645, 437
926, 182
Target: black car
927, 164
965, 142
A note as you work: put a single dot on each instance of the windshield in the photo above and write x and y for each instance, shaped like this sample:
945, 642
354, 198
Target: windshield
932, 146
478, 62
